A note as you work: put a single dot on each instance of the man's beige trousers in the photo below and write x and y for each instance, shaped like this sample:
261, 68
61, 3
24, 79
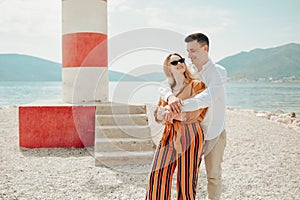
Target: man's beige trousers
213, 155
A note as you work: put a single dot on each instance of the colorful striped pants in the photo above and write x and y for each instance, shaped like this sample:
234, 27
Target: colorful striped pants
165, 161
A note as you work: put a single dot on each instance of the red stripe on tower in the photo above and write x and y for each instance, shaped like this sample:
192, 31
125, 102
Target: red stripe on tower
84, 49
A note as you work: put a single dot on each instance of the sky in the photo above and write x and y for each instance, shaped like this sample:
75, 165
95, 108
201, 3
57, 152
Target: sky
33, 27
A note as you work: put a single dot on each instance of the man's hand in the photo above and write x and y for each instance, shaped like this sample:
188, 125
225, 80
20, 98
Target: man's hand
175, 104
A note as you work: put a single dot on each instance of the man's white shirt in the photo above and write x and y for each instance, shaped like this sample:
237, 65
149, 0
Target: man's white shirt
214, 77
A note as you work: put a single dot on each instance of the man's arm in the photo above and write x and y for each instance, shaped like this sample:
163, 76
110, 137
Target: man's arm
201, 100
204, 99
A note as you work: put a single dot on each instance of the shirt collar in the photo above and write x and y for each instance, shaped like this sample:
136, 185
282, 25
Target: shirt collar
206, 65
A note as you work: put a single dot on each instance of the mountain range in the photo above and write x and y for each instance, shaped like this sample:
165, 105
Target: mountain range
278, 63
17, 67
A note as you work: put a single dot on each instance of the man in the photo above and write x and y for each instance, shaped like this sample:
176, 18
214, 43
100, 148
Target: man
213, 97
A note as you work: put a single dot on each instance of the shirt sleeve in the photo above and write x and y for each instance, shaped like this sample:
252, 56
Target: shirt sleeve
212, 94
201, 100
165, 91
161, 103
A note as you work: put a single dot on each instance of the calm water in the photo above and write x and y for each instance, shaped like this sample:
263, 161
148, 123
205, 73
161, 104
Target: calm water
16, 93
256, 96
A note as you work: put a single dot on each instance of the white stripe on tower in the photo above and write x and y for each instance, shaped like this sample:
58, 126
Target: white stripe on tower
84, 49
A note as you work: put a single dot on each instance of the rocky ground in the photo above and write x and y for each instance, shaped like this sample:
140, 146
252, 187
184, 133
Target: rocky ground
262, 160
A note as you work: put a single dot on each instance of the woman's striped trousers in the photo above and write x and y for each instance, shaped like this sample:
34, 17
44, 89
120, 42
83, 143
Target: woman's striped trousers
166, 160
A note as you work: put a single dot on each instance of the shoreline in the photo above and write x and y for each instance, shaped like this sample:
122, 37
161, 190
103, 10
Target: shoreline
286, 119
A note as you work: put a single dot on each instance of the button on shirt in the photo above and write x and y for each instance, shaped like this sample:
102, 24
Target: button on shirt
213, 97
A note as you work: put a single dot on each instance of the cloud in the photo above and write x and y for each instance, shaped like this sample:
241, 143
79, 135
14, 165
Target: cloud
31, 27
119, 5
167, 15
31, 17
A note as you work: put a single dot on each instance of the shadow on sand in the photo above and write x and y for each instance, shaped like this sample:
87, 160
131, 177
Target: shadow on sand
58, 152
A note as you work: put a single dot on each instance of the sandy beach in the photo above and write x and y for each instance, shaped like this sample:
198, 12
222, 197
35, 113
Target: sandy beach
262, 160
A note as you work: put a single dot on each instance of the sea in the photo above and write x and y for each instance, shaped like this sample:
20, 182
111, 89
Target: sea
259, 96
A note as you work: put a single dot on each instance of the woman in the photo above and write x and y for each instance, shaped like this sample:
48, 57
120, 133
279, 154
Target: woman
182, 139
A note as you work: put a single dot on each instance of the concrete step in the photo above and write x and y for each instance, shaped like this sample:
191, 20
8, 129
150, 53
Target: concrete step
122, 135
123, 144
122, 119
124, 157
118, 108
123, 132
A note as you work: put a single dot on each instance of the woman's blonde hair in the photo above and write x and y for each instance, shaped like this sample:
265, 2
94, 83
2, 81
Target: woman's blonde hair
187, 74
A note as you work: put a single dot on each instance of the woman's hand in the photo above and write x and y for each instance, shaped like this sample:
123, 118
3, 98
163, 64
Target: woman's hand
161, 112
175, 104
170, 116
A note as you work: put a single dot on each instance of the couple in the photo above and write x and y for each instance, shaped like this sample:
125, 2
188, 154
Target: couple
192, 107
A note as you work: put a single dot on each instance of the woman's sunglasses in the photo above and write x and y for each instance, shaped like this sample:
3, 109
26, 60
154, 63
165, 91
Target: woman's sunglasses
175, 62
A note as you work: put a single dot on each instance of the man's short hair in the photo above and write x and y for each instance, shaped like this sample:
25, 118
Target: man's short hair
200, 37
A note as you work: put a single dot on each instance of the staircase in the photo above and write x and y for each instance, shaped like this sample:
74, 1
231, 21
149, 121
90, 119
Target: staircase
122, 135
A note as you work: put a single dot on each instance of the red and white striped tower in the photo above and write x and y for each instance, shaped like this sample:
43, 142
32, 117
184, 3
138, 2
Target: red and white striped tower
84, 51
85, 79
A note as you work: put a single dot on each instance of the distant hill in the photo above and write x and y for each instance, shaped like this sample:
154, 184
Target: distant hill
119, 76
15, 67
281, 62
155, 76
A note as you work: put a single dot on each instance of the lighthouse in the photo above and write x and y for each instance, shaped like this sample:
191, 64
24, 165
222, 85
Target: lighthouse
70, 121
